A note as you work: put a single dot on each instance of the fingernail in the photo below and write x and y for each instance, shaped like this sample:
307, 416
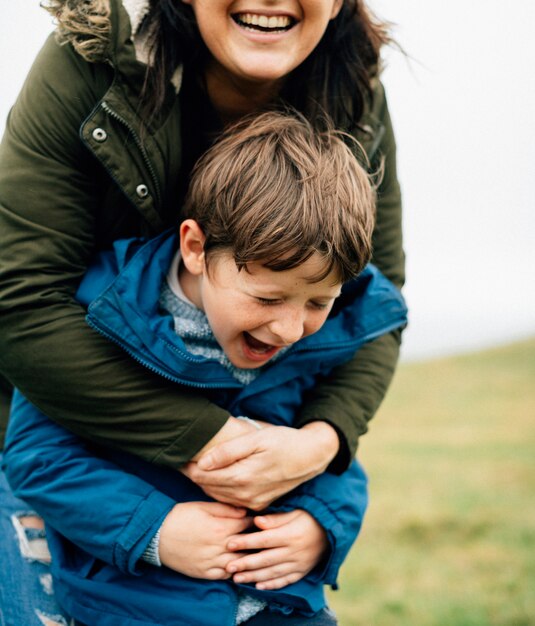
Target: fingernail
231, 569
262, 520
232, 545
239, 579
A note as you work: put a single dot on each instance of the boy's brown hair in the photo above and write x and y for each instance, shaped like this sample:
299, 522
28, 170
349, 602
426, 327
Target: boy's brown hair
275, 191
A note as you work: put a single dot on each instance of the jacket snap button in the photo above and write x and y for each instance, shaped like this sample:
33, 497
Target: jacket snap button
100, 135
142, 191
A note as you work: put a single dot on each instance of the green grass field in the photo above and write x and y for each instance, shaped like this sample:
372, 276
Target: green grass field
449, 538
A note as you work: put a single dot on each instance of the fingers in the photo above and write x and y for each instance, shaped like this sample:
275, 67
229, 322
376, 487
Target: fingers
273, 576
219, 569
224, 477
234, 485
262, 540
236, 526
218, 509
250, 563
230, 452
274, 520
187, 469
280, 582
279, 531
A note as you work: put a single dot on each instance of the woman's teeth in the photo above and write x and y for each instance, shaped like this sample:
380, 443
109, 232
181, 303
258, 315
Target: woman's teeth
263, 23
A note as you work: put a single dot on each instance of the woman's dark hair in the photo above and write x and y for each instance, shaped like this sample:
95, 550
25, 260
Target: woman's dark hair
334, 79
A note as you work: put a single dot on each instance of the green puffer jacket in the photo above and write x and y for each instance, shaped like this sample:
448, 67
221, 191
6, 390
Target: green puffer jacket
78, 172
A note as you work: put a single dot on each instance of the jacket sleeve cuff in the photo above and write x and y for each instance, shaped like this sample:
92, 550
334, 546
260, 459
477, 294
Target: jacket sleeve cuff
140, 531
152, 551
344, 456
198, 434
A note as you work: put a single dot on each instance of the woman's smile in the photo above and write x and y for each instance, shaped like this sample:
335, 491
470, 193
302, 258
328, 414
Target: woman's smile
263, 42
262, 23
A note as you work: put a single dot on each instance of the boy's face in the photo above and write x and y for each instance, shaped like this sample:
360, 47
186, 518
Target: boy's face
255, 312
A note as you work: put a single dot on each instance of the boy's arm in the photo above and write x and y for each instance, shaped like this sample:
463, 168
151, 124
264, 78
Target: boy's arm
108, 512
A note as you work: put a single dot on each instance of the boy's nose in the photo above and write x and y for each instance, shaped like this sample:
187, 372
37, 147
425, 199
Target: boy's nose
288, 327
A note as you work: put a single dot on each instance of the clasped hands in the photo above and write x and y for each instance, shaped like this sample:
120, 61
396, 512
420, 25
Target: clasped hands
207, 540
244, 468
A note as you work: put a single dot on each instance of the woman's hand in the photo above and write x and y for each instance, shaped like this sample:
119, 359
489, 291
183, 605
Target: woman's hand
194, 538
290, 545
254, 469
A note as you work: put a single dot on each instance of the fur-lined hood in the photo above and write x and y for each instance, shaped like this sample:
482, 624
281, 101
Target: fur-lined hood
87, 24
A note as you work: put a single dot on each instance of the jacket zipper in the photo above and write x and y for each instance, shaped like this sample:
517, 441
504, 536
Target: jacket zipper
152, 368
122, 343
112, 113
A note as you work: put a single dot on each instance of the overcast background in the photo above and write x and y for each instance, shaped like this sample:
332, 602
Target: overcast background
463, 107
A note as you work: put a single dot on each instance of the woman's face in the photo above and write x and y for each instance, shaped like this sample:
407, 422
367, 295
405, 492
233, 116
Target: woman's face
262, 41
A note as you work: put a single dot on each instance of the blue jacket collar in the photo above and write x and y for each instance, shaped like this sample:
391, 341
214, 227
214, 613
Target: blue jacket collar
122, 290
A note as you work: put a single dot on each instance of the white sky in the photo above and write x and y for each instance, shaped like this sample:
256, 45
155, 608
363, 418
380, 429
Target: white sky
463, 109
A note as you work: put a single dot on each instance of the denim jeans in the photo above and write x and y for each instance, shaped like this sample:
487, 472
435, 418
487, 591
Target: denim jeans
26, 593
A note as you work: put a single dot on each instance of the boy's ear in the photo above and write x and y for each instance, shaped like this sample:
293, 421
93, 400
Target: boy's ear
192, 246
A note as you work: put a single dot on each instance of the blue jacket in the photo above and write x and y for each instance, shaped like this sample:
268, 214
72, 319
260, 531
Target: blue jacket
111, 514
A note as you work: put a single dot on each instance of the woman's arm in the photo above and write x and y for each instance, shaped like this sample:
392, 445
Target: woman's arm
49, 203
57, 205
257, 467
349, 397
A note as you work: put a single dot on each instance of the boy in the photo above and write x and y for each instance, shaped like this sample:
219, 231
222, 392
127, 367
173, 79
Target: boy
277, 219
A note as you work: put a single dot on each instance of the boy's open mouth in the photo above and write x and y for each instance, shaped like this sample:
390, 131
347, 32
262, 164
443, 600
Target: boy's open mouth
264, 23
259, 348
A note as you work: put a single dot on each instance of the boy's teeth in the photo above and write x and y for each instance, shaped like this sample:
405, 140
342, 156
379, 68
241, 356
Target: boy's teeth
256, 345
273, 22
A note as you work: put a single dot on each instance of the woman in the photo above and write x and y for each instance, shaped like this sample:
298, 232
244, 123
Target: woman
90, 155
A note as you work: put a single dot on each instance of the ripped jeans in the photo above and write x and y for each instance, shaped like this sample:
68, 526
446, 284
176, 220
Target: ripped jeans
26, 592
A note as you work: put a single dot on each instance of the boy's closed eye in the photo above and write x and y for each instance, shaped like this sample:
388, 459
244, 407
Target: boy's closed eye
321, 306
268, 301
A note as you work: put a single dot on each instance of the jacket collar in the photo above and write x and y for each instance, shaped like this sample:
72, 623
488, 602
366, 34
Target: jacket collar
136, 10
108, 31
123, 293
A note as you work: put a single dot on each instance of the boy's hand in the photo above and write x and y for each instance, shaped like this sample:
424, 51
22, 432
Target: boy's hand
194, 538
254, 469
290, 545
